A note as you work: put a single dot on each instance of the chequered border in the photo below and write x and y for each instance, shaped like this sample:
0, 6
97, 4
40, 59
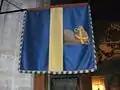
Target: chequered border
90, 17
21, 39
62, 72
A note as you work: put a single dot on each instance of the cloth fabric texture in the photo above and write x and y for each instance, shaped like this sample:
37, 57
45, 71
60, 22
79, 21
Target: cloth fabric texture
58, 39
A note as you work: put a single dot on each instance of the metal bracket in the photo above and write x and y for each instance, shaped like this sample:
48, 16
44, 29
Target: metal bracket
19, 9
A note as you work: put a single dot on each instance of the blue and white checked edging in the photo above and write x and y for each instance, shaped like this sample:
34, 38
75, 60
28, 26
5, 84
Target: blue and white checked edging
21, 39
62, 72
93, 38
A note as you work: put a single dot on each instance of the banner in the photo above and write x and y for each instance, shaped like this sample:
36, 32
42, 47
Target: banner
58, 40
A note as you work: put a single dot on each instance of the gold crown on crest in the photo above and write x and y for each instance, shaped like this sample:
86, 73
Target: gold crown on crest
81, 35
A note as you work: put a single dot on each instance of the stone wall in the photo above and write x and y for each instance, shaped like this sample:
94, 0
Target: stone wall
10, 28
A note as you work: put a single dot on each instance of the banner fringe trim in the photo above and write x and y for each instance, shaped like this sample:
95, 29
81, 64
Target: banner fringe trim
54, 73
89, 9
21, 40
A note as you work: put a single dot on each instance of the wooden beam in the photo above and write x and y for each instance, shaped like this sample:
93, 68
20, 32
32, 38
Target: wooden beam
39, 82
86, 82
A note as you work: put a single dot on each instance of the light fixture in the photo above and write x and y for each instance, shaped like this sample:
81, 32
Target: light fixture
98, 83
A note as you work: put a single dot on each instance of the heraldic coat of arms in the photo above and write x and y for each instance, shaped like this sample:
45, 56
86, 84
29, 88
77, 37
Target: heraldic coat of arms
79, 36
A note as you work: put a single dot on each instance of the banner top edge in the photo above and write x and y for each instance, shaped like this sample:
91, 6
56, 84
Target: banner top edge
54, 6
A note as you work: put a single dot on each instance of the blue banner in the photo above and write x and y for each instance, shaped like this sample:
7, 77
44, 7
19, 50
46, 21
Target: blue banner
78, 40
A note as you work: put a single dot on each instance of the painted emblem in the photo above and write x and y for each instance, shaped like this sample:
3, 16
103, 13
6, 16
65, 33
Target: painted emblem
78, 36
81, 35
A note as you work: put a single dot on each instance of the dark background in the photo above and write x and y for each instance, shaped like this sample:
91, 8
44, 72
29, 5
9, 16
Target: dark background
101, 9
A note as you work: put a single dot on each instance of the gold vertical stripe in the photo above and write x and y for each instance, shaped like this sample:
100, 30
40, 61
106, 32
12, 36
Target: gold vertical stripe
56, 40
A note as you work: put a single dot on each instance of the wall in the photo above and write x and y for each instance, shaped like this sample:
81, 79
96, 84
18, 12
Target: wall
10, 28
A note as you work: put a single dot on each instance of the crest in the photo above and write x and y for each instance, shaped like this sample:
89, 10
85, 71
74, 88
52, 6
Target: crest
81, 35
